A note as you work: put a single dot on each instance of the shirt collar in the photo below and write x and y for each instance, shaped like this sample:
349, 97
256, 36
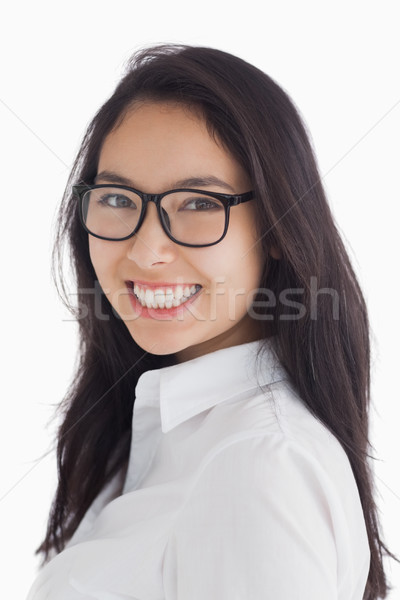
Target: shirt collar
186, 389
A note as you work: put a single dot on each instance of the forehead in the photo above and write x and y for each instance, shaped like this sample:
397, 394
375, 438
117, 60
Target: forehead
159, 142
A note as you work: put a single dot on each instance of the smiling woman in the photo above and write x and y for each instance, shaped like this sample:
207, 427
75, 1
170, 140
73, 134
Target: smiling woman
214, 444
159, 146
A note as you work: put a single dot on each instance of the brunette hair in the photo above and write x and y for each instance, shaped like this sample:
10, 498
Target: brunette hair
327, 357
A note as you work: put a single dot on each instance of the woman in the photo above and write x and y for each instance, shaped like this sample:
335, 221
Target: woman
215, 437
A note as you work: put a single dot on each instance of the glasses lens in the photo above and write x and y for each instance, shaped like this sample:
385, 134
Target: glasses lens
193, 218
111, 212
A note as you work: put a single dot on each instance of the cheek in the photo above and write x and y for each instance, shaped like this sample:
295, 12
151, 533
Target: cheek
233, 267
103, 257
249, 254
96, 256
247, 275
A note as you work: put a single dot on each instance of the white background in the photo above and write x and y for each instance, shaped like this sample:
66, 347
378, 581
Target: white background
60, 61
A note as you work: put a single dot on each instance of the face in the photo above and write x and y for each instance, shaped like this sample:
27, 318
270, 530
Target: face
157, 146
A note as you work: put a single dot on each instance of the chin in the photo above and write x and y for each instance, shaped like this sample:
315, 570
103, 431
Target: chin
158, 346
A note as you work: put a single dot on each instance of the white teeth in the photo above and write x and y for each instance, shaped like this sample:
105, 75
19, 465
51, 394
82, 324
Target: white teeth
178, 292
149, 297
163, 298
169, 295
159, 298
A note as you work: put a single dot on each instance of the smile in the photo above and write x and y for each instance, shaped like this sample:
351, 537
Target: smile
163, 297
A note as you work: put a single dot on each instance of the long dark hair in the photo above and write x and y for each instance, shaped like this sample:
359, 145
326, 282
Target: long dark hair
327, 355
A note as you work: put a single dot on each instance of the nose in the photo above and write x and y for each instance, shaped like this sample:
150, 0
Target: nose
151, 245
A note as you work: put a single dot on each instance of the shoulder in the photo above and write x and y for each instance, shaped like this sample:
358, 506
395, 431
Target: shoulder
277, 499
268, 421
275, 458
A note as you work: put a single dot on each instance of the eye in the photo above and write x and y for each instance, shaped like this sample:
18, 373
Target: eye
201, 203
116, 201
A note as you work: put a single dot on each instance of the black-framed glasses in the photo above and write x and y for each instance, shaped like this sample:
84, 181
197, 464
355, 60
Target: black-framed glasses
189, 217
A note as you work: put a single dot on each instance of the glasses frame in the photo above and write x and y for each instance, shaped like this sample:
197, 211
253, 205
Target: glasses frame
227, 200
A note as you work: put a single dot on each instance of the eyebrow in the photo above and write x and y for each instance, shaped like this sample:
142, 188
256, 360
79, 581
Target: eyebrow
190, 182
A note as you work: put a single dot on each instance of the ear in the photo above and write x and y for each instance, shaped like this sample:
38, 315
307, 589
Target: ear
275, 252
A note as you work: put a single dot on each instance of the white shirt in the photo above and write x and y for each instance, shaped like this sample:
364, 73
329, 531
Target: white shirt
233, 492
